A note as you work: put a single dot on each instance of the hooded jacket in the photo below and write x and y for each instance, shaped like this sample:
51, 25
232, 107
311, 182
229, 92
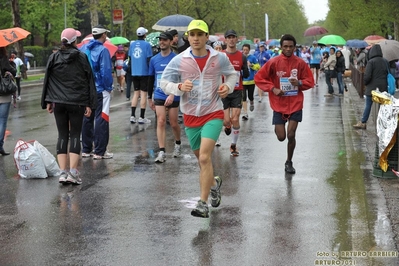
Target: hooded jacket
100, 61
376, 72
69, 80
268, 77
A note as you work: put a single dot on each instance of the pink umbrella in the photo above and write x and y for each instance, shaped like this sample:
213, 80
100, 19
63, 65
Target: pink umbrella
373, 39
111, 48
315, 30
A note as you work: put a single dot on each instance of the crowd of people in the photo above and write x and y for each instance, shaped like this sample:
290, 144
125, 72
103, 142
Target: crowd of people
209, 83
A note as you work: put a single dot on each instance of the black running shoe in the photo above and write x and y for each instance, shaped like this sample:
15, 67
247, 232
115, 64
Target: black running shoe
289, 168
216, 196
201, 210
227, 130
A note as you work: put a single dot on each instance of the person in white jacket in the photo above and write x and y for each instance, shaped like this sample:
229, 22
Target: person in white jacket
196, 76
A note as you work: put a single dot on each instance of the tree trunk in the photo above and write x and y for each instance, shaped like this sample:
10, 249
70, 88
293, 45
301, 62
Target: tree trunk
93, 13
18, 46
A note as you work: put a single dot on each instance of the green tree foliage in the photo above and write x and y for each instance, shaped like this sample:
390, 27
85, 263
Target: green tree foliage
356, 19
45, 18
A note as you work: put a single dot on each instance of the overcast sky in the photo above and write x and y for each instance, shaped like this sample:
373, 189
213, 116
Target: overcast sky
315, 9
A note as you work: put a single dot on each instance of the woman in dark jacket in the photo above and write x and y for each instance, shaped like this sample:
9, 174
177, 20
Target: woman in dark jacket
5, 101
69, 91
340, 68
375, 77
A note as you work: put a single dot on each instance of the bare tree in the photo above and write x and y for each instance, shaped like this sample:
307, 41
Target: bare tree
93, 13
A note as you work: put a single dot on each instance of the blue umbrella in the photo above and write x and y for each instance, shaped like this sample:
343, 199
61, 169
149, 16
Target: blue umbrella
177, 22
357, 43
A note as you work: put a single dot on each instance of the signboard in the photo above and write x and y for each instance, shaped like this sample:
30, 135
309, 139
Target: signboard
117, 16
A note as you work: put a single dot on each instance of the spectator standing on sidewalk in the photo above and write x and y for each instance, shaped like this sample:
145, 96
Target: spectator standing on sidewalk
96, 127
5, 101
375, 76
70, 93
285, 77
196, 76
18, 64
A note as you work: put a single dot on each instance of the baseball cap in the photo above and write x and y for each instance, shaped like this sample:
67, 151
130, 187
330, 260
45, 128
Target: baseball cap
276, 49
165, 35
99, 29
197, 24
314, 42
230, 33
141, 31
173, 32
69, 35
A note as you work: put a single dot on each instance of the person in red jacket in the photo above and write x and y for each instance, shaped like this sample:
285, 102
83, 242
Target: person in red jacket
284, 77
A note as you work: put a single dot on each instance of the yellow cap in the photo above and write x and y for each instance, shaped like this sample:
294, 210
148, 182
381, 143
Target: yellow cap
198, 25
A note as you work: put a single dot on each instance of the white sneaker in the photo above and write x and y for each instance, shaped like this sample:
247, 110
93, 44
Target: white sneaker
161, 157
144, 121
133, 119
19, 98
74, 179
177, 151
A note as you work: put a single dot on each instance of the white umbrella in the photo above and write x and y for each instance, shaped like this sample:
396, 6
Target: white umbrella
27, 54
390, 49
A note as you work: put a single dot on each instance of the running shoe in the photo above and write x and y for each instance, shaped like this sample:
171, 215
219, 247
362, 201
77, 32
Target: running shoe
63, 177
107, 155
133, 119
233, 151
216, 196
144, 121
252, 107
201, 210
218, 143
74, 179
289, 168
19, 98
86, 155
245, 117
227, 130
161, 157
177, 151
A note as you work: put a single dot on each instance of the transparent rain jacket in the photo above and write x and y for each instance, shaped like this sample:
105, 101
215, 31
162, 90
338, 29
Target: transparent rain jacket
203, 99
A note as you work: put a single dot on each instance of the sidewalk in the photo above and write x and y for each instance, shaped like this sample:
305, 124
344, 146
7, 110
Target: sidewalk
390, 187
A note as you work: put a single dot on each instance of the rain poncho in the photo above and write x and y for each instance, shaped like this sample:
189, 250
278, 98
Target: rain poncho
387, 122
203, 99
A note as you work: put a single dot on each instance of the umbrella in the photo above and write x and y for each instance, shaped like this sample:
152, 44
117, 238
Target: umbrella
27, 54
177, 22
152, 38
12, 35
373, 39
332, 40
273, 42
111, 48
390, 49
118, 40
355, 43
315, 30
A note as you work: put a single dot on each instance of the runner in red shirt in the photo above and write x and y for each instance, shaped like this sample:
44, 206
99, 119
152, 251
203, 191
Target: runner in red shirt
232, 104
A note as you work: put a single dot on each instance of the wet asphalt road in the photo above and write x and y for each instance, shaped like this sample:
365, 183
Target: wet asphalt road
131, 211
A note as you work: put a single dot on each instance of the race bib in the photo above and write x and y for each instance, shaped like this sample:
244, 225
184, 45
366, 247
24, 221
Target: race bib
238, 79
196, 93
288, 88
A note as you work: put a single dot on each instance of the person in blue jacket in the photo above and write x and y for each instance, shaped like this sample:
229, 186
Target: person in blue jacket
315, 60
262, 56
249, 83
96, 127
